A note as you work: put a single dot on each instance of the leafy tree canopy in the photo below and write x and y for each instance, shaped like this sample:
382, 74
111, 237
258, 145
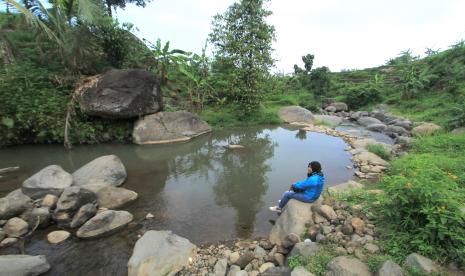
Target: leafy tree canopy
243, 46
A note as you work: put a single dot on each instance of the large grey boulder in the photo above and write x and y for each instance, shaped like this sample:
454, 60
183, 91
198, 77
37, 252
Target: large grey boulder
161, 253
330, 120
104, 223
106, 169
403, 123
458, 131
421, 264
296, 114
23, 265
221, 267
346, 266
366, 121
277, 271
14, 204
345, 187
168, 127
390, 268
370, 159
364, 143
124, 93
301, 271
292, 220
113, 198
426, 129
50, 180
340, 106
397, 130
377, 127
305, 249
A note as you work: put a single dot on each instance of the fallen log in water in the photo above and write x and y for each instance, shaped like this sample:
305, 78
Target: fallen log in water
9, 169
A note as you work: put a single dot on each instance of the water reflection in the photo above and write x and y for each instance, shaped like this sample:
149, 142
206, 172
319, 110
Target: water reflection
301, 134
244, 193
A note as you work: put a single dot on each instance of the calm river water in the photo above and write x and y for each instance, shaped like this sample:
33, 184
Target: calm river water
199, 189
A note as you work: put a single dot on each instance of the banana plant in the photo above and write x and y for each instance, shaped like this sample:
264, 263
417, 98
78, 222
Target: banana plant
196, 70
164, 58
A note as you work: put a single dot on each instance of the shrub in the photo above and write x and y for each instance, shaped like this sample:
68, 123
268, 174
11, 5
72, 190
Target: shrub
363, 95
379, 150
423, 204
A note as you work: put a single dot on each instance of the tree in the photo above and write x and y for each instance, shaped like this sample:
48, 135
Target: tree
242, 45
320, 81
122, 4
308, 62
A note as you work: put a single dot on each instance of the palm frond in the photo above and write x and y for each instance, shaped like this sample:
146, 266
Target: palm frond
34, 20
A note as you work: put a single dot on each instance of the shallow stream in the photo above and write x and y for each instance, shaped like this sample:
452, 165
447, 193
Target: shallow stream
199, 190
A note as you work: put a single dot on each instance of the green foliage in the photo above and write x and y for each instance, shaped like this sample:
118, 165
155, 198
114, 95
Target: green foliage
457, 115
363, 95
32, 110
441, 144
242, 39
415, 81
308, 62
379, 150
295, 261
320, 81
164, 59
374, 262
115, 41
423, 203
317, 263
231, 115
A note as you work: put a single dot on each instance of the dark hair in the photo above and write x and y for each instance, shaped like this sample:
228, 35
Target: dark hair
316, 167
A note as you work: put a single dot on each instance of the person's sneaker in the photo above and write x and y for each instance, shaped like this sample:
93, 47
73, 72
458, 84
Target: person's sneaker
275, 209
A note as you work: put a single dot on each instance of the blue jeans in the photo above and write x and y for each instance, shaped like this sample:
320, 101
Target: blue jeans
288, 195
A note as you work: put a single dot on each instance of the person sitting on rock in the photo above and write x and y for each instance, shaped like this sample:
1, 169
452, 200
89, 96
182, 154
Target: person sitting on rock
307, 190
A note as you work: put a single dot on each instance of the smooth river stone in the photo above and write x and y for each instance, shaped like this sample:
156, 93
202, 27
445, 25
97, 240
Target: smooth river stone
103, 223
160, 253
50, 180
21, 265
105, 169
114, 198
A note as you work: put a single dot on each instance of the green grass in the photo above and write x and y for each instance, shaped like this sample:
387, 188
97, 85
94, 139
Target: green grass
315, 264
379, 150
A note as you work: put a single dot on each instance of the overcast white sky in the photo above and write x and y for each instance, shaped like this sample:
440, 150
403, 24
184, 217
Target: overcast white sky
341, 34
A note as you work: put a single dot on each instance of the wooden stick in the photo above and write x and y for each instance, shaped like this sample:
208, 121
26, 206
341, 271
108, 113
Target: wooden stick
9, 169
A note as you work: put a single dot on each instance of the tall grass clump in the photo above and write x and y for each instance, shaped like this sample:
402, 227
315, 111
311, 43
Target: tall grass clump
379, 150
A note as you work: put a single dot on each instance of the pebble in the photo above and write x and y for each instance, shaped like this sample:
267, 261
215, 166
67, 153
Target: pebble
7, 242
58, 236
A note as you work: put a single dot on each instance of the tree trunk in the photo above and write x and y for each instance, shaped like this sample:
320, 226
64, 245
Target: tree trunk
67, 143
109, 8
160, 96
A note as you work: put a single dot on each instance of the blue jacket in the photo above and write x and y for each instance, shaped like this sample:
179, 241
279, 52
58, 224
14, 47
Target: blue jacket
311, 187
